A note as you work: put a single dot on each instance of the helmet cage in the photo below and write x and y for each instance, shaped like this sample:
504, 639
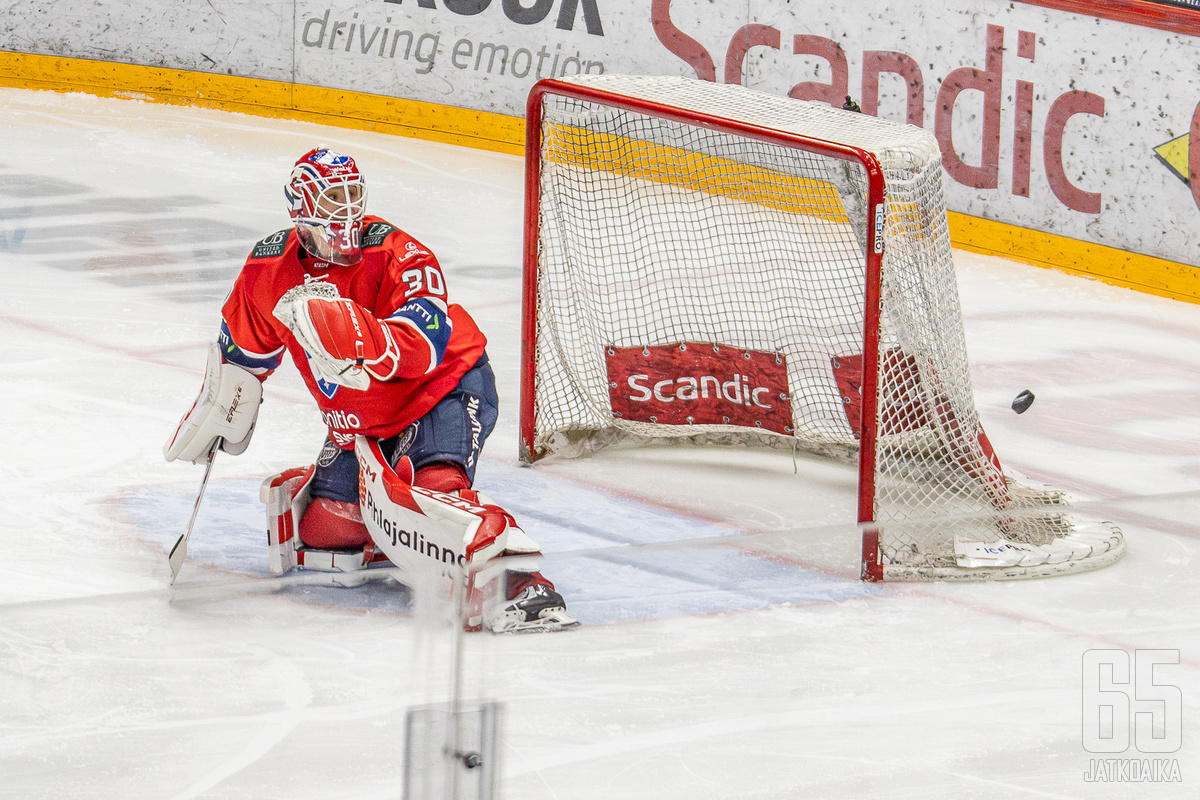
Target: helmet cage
326, 198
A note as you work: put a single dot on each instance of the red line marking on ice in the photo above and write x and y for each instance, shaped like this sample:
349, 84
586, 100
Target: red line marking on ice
75, 338
1016, 617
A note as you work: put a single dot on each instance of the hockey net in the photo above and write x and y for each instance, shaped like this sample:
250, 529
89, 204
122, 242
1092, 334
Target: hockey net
713, 265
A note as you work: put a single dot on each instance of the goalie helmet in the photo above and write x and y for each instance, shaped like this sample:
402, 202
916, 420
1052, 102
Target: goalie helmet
327, 198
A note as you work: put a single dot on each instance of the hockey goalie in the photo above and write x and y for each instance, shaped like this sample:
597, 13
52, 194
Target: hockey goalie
402, 381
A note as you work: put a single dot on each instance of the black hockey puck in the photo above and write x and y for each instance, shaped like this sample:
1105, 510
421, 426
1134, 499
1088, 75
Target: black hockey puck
1022, 402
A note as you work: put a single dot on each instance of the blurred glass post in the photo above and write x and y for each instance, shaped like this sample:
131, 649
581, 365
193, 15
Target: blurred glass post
451, 748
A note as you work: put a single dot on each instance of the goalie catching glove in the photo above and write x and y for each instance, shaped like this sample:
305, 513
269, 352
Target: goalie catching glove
345, 343
224, 412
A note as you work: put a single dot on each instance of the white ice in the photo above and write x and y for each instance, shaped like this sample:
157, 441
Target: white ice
700, 672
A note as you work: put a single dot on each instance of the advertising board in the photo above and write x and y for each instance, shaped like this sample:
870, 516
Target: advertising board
1050, 118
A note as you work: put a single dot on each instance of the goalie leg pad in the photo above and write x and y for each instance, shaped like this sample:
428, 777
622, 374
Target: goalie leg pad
330, 524
424, 533
431, 536
333, 519
288, 498
442, 477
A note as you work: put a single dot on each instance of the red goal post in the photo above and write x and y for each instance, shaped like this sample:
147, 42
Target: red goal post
709, 264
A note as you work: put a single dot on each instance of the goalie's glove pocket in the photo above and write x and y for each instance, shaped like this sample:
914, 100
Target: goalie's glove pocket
345, 343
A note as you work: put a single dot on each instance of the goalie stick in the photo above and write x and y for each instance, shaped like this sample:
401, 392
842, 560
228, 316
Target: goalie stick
179, 551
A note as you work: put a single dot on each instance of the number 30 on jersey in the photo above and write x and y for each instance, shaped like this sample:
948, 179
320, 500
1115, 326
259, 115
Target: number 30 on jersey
427, 280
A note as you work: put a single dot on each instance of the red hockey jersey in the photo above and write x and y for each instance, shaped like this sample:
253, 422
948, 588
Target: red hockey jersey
399, 281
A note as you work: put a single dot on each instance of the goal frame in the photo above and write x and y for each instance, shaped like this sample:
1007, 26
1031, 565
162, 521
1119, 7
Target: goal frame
872, 568
933, 501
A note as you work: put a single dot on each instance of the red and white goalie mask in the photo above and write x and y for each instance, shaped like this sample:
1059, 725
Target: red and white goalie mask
327, 199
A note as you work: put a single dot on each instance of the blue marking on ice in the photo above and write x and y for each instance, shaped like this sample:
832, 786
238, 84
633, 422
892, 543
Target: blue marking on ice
230, 531
674, 578
615, 559
231, 535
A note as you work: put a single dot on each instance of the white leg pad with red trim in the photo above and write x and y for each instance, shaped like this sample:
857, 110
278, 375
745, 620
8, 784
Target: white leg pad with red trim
434, 537
287, 496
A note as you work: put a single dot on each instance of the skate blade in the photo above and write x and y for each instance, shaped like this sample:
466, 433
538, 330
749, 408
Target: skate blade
551, 620
341, 580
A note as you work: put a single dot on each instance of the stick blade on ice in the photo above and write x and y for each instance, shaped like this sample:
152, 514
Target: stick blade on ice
177, 555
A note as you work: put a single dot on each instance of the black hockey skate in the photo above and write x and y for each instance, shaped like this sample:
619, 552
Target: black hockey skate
537, 608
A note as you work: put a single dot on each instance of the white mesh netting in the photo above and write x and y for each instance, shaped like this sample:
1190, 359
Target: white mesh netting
656, 235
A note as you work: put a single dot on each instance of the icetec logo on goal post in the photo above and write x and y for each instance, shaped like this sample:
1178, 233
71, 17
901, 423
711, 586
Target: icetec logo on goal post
699, 384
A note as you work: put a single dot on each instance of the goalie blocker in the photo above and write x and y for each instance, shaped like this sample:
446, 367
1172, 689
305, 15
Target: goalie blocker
224, 412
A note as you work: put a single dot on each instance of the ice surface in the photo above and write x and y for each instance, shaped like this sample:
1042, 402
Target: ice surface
729, 651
